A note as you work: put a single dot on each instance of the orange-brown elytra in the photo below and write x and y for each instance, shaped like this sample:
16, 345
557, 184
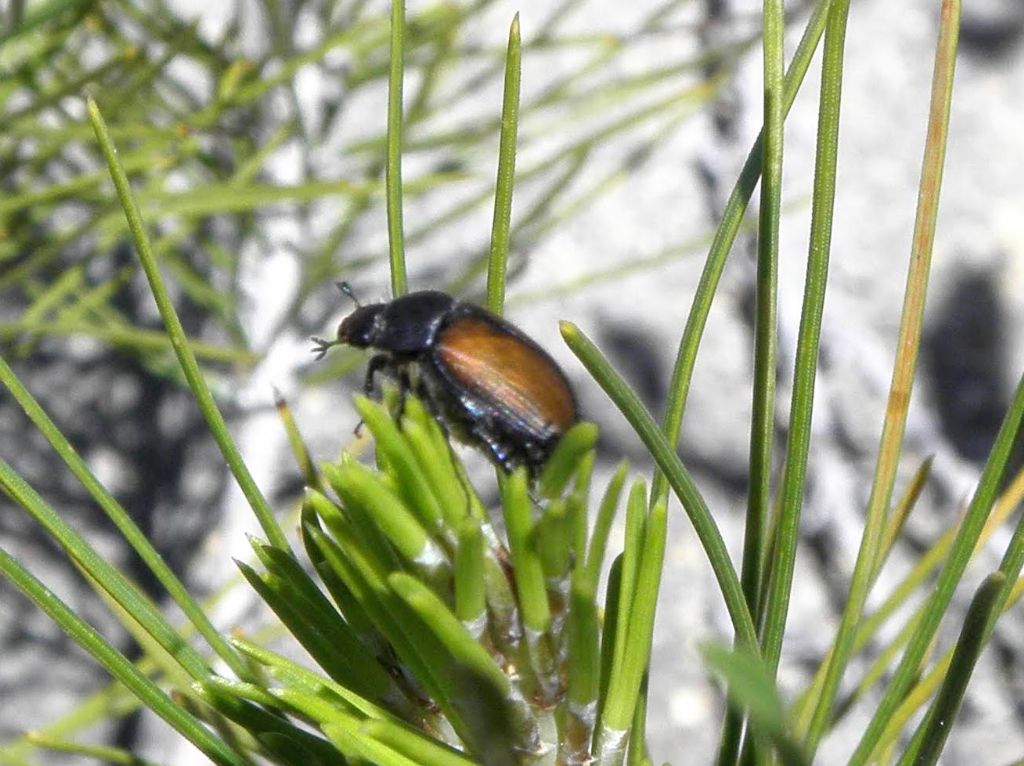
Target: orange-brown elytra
483, 378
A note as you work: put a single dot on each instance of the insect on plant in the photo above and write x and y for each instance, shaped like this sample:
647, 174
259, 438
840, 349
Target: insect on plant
487, 382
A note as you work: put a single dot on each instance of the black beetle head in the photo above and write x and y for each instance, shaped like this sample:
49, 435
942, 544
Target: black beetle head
359, 329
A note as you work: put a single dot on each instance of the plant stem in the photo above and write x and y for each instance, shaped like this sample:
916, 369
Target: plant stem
780, 572
179, 341
393, 166
903, 370
502, 222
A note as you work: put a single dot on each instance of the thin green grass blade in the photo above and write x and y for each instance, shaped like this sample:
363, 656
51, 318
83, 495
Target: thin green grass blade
227, 198
338, 652
904, 367
732, 218
897, 518
117, 664
993, 598
632, 551
393, 165
578, 501
103, 753
1005, 505
882, 664
470, 588
584, 672
215, 421
394, 449
465, 651
283, 739
303, 458
103, 575
296, 676
763, 412
149, 646
636, 751
131, 338
780, 573
927, 686
602, 526
135, 537
553, 538
109, 703
611, 632
40, 14
321, 701
379, 603
630, 666
359, 748
927, 744
1010, 567
530, 585
959, 556
803, 708
527, 569
243, 690
762, 421
306, 598
679, 479
410, 743
433, 455
309, 706
353, 525
502, 223
358, 486
566, 459
54, 295
751, 687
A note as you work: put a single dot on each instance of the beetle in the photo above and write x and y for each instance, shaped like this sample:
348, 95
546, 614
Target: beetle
485, 380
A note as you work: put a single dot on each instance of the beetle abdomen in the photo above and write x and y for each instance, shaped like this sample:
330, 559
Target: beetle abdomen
509, 372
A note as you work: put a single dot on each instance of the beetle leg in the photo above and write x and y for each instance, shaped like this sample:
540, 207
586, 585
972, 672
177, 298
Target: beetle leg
404, 387
497, 450
420, 390
376, 364
500, 456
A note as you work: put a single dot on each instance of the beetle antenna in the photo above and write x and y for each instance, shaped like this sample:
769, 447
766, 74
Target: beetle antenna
348, 292
321, 347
